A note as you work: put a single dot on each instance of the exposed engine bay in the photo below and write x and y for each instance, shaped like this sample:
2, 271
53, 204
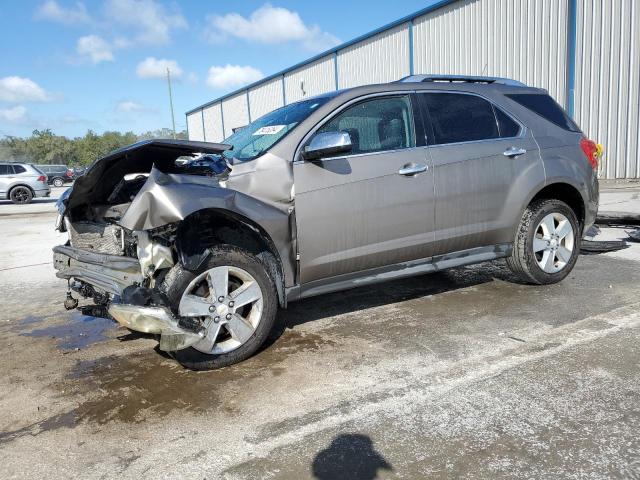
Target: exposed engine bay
143, 215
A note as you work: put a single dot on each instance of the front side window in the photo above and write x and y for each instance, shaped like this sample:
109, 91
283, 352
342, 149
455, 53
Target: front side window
457, 117
376, 125
258, 137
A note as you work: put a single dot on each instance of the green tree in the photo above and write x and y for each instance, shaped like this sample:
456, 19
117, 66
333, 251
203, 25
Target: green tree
43, 146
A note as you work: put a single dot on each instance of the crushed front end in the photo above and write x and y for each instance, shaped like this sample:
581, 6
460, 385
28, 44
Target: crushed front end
123, 262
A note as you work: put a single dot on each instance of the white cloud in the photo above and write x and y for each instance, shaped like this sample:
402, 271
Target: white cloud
270, 24
153, 22
152, 67
232, 76
52, 11
129, 106
19, 89
95, 48
17, 114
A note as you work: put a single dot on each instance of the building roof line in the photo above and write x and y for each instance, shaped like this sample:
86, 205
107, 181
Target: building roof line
336, 49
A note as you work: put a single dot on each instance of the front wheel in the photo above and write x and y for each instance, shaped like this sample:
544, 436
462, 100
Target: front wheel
547, 242
233, 296
58, 182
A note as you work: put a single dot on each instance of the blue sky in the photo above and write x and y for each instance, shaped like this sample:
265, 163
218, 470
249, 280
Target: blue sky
75, 65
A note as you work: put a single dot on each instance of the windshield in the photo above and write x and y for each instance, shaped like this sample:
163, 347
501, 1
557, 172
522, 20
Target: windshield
259, 136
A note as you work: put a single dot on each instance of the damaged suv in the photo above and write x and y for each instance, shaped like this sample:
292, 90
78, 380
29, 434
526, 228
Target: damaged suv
201, 243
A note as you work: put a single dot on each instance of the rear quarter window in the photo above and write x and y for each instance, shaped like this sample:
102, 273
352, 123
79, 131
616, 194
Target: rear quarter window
547, 108
19, 169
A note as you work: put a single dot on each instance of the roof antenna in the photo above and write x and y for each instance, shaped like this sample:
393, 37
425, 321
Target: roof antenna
302, 88
484, 70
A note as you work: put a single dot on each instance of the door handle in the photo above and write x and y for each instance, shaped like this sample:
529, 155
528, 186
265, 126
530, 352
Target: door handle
411, 169
514, 152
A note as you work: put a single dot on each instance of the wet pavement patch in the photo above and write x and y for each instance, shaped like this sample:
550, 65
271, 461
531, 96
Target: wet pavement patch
78, 331
145, 385
62, 420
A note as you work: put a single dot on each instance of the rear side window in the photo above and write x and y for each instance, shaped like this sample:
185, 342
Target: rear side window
461, 118
507, 126
4, 169
546, 107
376, 125
19, 169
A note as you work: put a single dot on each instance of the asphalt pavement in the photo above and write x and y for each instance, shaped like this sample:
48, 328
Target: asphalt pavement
462, 373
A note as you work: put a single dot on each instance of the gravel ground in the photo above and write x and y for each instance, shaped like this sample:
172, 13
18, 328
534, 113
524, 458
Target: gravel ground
459, 373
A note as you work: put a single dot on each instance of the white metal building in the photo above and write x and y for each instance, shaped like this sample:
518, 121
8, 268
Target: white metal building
586, 53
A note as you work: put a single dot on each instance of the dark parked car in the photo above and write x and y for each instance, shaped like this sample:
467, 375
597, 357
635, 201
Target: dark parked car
58, 174
21, 182
333, 192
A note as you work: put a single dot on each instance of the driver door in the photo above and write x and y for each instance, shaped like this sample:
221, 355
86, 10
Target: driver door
368, 208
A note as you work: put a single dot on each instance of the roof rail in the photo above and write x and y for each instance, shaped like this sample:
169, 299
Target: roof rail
461, 79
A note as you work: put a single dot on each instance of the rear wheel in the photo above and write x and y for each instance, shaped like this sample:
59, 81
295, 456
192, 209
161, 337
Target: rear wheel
21, 195
58, 182
234, 298
547, 243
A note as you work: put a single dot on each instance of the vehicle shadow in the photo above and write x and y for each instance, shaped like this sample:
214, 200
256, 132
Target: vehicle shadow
350, 456
390, 292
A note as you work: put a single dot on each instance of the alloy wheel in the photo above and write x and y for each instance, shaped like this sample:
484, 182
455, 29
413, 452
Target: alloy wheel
20, 195
553, 242
229, 302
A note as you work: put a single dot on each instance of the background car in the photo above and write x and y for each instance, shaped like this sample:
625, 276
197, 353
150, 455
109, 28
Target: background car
21, 182
58, 174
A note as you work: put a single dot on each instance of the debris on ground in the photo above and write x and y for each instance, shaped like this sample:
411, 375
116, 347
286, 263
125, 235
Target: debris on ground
593, 247
618, 218
592, 232
634, 235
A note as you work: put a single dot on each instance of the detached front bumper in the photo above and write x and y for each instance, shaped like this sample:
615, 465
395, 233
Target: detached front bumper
158, 320
112, 274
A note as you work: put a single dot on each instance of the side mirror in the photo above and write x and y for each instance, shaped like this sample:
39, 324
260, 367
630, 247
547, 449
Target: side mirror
326, 144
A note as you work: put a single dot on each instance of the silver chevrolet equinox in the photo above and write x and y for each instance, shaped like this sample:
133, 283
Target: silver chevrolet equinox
200, 243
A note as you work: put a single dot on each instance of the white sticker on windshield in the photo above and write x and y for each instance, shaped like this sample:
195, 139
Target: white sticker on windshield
270, 130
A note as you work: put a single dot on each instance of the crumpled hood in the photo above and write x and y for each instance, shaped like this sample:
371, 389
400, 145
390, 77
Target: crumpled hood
105, 173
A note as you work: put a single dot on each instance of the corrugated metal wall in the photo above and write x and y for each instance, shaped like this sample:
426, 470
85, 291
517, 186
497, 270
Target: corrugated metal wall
379, 59
235, 111
265, 98
194, 126
607, 100
528, 40
313, 79
212, 119
521, 39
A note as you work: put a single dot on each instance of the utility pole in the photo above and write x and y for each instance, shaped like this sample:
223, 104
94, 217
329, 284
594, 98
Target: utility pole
173, 118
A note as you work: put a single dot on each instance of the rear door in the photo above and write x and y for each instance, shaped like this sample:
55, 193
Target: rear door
484, 163
359, 211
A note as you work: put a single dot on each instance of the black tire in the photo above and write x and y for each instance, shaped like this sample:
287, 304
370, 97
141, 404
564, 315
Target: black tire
58, 182
21, 195
179, 278
523, 261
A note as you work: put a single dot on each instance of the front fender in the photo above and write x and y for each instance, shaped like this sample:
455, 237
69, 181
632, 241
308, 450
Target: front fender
170, 198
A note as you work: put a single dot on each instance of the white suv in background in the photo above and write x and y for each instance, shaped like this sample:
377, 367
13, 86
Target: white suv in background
21, 182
